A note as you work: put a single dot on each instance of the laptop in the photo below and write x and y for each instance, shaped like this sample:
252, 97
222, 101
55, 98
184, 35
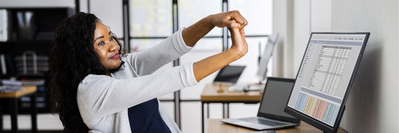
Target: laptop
229, 75
271, 113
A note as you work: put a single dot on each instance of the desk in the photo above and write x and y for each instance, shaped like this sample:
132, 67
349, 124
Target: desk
13, 98
216, 126
210, 95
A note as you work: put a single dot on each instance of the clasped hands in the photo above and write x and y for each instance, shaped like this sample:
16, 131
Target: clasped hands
235, 22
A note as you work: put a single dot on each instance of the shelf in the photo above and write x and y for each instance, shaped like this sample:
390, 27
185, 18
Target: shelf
18, 47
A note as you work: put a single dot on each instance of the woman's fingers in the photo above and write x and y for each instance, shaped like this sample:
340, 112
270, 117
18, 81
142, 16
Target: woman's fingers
242, 22
231, 19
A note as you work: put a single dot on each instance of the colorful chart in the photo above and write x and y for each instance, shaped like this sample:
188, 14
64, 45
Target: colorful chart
319, 109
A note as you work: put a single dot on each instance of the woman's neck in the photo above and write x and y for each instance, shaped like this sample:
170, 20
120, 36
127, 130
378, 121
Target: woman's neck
108, 73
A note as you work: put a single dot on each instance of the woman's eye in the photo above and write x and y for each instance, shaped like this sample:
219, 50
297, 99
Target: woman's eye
101, 43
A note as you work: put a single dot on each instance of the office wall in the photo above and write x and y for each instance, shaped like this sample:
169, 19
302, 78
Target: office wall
283, 24
308, 16
301, 30
373, 104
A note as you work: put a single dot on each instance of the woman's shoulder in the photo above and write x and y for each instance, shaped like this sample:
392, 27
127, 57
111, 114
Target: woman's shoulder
94, 79
94, 82
131, 56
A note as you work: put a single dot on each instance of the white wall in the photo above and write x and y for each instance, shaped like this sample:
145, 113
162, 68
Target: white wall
373, 104
282, 24
301, 30
320, 12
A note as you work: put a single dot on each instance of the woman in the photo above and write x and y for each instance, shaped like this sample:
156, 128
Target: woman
95, 87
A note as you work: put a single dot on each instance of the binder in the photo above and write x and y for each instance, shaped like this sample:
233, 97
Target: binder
3, 65
3, 25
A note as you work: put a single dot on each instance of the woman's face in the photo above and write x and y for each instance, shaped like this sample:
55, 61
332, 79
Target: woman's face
106, 47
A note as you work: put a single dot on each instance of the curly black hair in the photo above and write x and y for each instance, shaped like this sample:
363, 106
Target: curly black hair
72, 58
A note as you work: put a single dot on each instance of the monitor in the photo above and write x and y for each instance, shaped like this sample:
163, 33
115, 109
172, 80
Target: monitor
264, 59
229, 74
325, 77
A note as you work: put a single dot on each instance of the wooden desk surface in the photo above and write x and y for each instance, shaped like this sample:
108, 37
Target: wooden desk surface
210, 94
216, 126
28, 90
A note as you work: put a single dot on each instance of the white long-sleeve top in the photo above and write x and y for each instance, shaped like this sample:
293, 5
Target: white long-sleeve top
103, 101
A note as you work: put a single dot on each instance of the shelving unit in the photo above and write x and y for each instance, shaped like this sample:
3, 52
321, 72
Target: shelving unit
34, 35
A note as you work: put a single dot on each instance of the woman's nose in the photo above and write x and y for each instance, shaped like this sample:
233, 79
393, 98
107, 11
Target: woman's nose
112, 46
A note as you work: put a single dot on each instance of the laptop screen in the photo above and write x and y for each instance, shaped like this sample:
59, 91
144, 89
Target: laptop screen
275, 97
229, 74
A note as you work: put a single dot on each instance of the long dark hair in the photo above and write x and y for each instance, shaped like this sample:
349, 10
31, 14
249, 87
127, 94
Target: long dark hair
72, 59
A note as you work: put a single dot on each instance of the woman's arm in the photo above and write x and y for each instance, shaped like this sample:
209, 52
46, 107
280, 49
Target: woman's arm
101, 95
147, 61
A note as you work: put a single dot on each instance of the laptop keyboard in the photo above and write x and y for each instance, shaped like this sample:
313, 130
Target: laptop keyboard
263, 121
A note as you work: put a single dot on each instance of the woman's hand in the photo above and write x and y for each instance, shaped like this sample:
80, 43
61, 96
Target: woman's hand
239, 44
231, 19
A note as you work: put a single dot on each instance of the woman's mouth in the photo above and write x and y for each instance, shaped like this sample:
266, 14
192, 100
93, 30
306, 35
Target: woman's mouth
115, 56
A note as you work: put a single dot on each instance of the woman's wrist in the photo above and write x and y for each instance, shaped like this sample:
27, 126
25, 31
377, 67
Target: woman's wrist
195, 32
210, 21
234, 53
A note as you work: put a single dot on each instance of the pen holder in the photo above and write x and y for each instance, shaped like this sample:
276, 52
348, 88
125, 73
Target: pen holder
220, 89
